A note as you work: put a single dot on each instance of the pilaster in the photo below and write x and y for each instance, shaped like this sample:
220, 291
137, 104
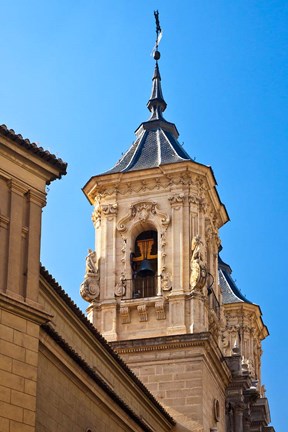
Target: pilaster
36, 202
177, 203
14, 286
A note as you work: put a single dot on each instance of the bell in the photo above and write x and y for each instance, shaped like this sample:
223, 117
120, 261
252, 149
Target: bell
145, 269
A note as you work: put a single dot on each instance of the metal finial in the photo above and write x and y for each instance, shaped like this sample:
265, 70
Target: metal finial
156, 53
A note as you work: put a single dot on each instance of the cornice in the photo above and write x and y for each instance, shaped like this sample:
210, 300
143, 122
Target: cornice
243, 307
33, 148
161, 343
23, 309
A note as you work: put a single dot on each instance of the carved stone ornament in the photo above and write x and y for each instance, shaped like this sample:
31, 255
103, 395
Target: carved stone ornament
142, 311
177, 199
120, 287
125, 314
198, 272
96, 215
160, 309
109, 209
166, 283
89, 288
143, 211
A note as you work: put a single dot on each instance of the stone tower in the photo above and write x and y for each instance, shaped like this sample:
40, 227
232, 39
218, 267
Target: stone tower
153, 283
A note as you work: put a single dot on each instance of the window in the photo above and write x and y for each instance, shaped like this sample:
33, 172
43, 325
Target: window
144, 265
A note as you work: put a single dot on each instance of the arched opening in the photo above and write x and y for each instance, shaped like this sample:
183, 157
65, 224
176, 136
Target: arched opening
144, 265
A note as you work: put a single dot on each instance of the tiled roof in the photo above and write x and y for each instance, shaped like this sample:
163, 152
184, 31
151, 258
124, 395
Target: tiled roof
33, 148
230, 291
75, 309
95, 377
151, 149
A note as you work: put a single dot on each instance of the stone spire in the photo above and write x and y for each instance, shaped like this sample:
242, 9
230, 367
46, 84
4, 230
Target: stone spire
156, 103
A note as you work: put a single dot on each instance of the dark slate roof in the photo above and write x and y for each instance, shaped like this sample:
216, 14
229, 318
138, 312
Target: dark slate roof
156, 139
230, 292
33, 148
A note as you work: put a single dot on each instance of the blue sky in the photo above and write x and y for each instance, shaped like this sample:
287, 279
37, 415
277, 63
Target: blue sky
75, 78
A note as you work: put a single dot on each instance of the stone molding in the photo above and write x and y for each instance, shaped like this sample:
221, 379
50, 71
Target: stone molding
24, 309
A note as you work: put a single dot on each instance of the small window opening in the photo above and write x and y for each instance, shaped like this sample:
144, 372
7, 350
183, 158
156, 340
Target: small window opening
144, 265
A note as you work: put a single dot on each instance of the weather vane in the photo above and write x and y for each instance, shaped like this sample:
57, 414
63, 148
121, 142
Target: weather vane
156, 53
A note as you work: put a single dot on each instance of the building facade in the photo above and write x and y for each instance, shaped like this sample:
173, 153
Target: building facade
184, 345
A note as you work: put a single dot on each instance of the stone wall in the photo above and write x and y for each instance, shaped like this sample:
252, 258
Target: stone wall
184, 373
18, 372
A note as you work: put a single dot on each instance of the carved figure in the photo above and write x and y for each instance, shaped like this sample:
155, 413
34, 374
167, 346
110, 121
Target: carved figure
91, 262
89, 288
198, 272
120, 287
166, 281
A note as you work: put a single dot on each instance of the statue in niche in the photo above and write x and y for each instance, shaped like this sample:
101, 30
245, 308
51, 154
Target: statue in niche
89, 288
198, 272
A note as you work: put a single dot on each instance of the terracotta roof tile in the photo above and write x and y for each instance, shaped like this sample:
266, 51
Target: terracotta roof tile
38, 151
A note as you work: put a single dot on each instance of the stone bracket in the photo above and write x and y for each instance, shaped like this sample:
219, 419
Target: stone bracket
142, 311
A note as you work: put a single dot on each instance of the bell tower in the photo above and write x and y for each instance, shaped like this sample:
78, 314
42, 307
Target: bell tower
151, 282
156, 216
153, 285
